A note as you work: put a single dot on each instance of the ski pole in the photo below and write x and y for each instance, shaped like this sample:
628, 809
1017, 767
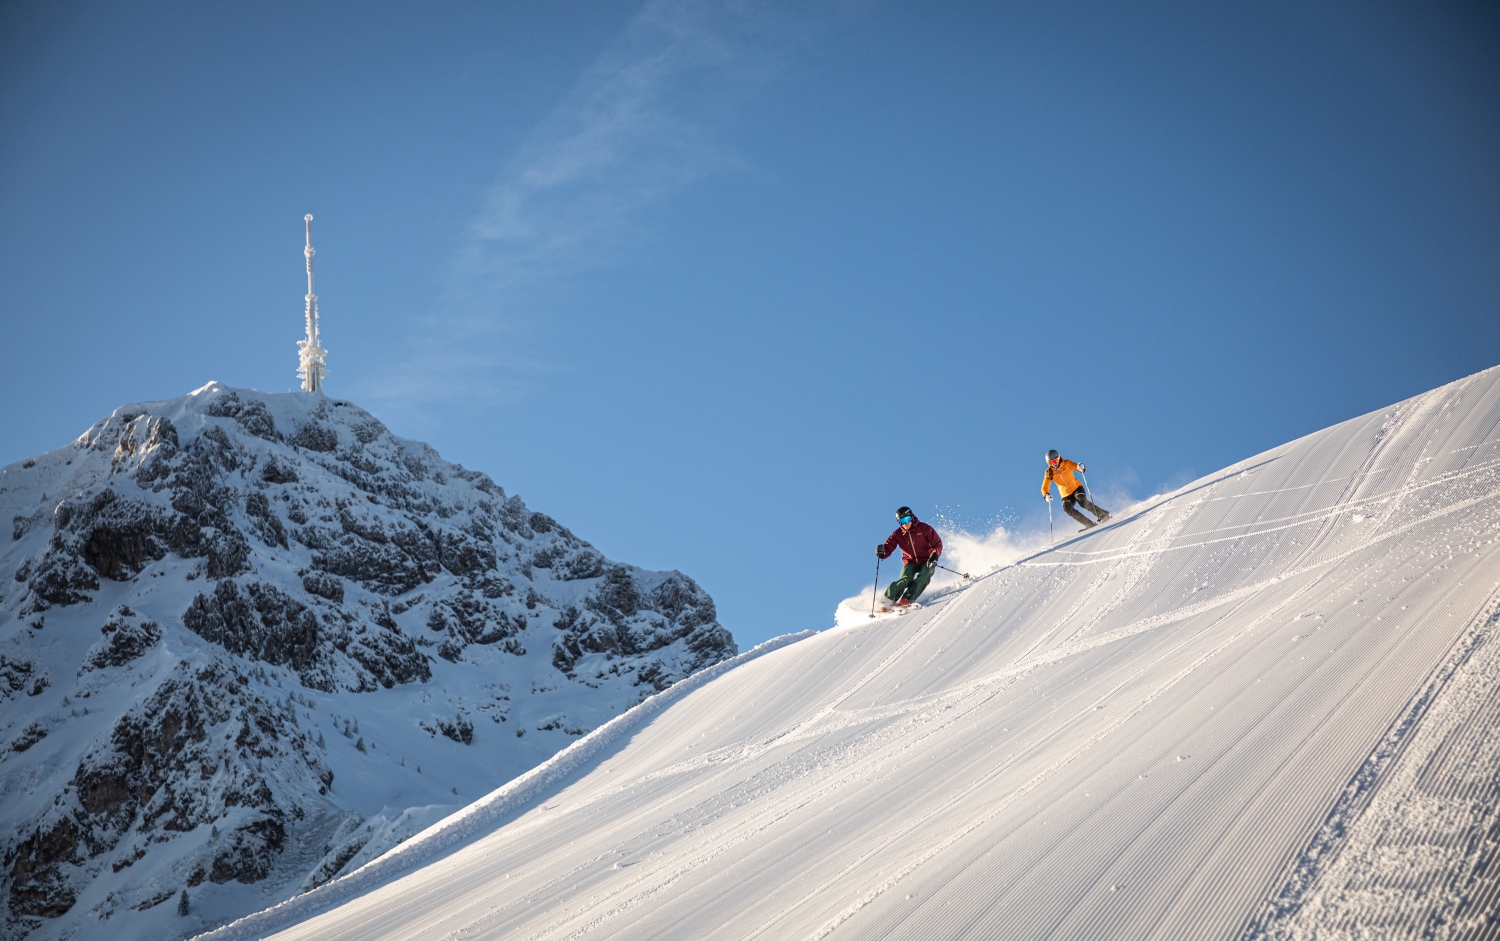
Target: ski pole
947, 569
1049, 521
875, 592
1088, 491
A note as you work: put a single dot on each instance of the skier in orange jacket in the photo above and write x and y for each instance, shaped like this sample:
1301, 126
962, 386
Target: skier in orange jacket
1060, 471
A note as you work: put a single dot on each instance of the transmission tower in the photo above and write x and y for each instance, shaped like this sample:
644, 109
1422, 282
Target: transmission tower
311, 352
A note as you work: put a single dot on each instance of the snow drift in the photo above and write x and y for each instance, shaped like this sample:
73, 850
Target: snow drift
1263, 705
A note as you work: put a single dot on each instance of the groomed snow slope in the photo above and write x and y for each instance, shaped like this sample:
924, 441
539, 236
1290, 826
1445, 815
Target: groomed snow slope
1264, 705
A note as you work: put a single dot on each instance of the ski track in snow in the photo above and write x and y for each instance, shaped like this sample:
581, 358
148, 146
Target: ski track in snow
1365, 879
1231, 712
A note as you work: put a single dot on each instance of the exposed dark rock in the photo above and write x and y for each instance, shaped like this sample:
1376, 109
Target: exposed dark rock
255, 419
14, 675
563, 724
316, 436
369, 431
213, 451
228, 554
149, 779
121, 536
21, 525
29, 736
250, 853
389, 658
675, 609
149, 440
515, 517
657, 675
584, 563
463, 555
324, 586
168, 769
681, 600
618, 595
38, 886
126, 637
251, 416
263, 622
384, 568
472, 619
275, 471
494, 586
263, 521
59, 580
566, 651
542, 523
339, 855
458, 728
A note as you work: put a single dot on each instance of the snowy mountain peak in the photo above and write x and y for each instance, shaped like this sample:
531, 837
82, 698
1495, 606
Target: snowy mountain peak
210, 595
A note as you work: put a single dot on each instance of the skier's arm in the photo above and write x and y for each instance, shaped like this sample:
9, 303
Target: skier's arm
1046, 480
937, 546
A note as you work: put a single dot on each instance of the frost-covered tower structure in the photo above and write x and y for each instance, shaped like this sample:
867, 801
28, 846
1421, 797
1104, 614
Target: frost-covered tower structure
311, 352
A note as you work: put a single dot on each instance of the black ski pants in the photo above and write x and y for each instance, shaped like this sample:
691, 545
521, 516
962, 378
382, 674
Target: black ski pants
1078, 498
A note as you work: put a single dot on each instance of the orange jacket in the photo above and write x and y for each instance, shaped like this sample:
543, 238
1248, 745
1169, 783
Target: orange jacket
1062, 475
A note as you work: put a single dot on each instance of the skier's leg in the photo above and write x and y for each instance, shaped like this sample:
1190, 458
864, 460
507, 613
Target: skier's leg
1070, 507
1092, 507
908, 572
919, 582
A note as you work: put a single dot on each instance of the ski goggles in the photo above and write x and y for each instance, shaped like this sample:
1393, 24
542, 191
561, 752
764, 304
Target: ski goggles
903, 520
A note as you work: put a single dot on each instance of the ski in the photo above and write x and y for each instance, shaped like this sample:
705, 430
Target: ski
1095, 525
892, 609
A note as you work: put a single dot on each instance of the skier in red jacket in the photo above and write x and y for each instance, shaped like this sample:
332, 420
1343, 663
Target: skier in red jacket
920, 547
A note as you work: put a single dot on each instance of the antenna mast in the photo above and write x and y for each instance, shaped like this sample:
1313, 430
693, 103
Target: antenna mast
311, 352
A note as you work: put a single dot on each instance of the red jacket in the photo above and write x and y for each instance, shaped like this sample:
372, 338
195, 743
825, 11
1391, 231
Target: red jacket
917, 545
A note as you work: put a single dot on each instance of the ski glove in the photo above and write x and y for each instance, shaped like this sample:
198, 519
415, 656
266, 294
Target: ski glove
1082, 469
1047, 497
932, 559
880, 551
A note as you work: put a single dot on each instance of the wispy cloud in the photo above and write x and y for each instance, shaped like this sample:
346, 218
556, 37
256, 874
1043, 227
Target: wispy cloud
644, 122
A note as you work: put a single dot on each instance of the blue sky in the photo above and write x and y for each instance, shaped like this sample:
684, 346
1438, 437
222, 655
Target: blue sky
721, 284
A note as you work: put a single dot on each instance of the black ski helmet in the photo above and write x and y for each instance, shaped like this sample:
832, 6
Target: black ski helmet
905, 511
1052, 455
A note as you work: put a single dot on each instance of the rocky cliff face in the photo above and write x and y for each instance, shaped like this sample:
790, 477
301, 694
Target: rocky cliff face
208, 597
